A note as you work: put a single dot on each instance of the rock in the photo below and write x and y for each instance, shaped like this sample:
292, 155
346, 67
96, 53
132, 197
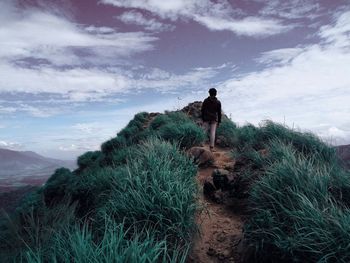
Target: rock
223, 179
211, 252
208, 189
201, 156
240, 163
221, 237
221, 256
193, 110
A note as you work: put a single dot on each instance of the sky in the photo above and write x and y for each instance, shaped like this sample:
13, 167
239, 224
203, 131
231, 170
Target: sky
74, 72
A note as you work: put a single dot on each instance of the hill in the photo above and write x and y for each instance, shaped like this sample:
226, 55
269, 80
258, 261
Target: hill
276, 194
21, 168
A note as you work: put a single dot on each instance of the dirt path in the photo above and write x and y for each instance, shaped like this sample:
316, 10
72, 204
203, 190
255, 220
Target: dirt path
220, 224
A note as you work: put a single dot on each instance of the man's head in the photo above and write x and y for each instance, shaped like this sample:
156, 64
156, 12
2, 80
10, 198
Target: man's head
212, 92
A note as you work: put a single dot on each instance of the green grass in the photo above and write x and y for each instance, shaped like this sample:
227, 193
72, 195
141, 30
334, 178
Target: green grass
157, 189
227, 133
178, 128
299, 200
149, 200
117, 244
135, 200
299, 194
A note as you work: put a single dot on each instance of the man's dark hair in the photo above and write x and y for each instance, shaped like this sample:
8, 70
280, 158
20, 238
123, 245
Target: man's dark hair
212, 92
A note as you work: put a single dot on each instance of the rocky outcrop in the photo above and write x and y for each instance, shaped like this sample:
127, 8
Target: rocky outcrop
201, 156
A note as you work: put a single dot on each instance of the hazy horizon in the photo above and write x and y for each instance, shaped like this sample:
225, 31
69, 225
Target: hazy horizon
73, 73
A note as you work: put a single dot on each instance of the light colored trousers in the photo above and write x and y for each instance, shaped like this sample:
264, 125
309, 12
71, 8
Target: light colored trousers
210, 128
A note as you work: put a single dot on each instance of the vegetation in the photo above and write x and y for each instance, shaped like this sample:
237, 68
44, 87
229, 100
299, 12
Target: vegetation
298, 196
227, 132
133, 201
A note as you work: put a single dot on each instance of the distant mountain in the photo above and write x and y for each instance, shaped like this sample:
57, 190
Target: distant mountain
344, 154
21, 168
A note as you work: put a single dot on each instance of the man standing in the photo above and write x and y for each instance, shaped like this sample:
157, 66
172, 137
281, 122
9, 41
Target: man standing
211, 115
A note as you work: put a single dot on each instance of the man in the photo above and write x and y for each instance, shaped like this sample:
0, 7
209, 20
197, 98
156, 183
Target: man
211, 115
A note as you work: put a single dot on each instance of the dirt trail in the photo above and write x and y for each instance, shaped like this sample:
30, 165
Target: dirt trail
220, 224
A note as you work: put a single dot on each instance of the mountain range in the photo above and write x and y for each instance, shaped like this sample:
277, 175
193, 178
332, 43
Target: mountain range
21, 168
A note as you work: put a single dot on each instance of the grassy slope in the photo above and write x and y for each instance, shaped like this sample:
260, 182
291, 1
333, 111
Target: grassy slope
133, 201
299, 196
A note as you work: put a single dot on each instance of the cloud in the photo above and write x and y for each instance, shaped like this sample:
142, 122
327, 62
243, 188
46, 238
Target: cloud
163, 81
5, 110
62, 89
78, 148
309, 85
279, 56
214, 15
37, 34
88, 128
11, 145
292, 9
248, 26
339, 33
75, 84
137, 18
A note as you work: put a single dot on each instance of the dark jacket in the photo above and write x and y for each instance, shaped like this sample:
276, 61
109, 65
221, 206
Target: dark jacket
211, 109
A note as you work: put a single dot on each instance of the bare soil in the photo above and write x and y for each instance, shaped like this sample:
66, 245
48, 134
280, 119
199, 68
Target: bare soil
220, 224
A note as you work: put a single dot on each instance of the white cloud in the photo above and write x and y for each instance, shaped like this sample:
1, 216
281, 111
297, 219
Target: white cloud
75, 84
339, 33
214, 15
292, 9
165, 82
309, 85
151, 24
42, 53
86, 85
78, 148
279, 56
88, 128
100, 30
248, 26
37, 34
4, 110
11, 145
335, 135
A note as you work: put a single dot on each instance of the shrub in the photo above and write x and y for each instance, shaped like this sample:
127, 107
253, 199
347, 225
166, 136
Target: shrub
56, 187
125, 136
89, 159
187, 134
113, 144
178, 128
227, 132
153, 194
159, 121
249, 138
306, 143
157, 191
116, 157
299, 211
